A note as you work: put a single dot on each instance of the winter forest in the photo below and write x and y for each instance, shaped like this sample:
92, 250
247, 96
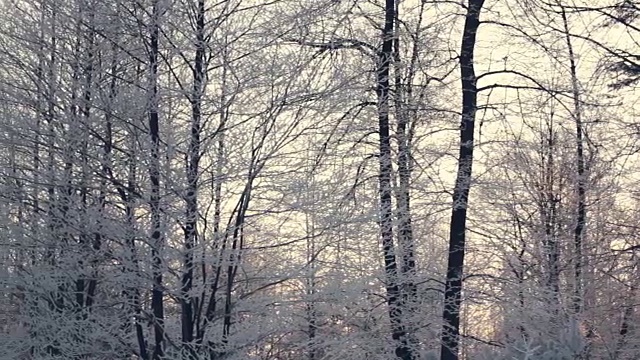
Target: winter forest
319, 179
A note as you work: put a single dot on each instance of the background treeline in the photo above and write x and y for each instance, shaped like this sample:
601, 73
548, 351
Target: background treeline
319, 179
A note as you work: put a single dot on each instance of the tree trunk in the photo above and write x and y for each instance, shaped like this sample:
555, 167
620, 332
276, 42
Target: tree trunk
157, 238
193, 163
457, 230
219, 240
398, 332
310, 280
403, 196
549, 212
579, 230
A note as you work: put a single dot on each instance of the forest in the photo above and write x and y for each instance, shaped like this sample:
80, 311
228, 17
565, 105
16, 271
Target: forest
319, 180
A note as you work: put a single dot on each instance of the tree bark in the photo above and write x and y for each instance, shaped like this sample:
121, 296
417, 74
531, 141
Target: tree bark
457, 230
193, 163
157, 237
398, 332
581, 211
548, 205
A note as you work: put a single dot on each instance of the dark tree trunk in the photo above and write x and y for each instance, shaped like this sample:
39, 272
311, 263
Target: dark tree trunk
549, 211
219, 241
193, 163
92, 283
132, 268
86, 287
581, 216
311, 312
49, 110
132, 292
237, 244
457, 234
157, 238
398, 333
